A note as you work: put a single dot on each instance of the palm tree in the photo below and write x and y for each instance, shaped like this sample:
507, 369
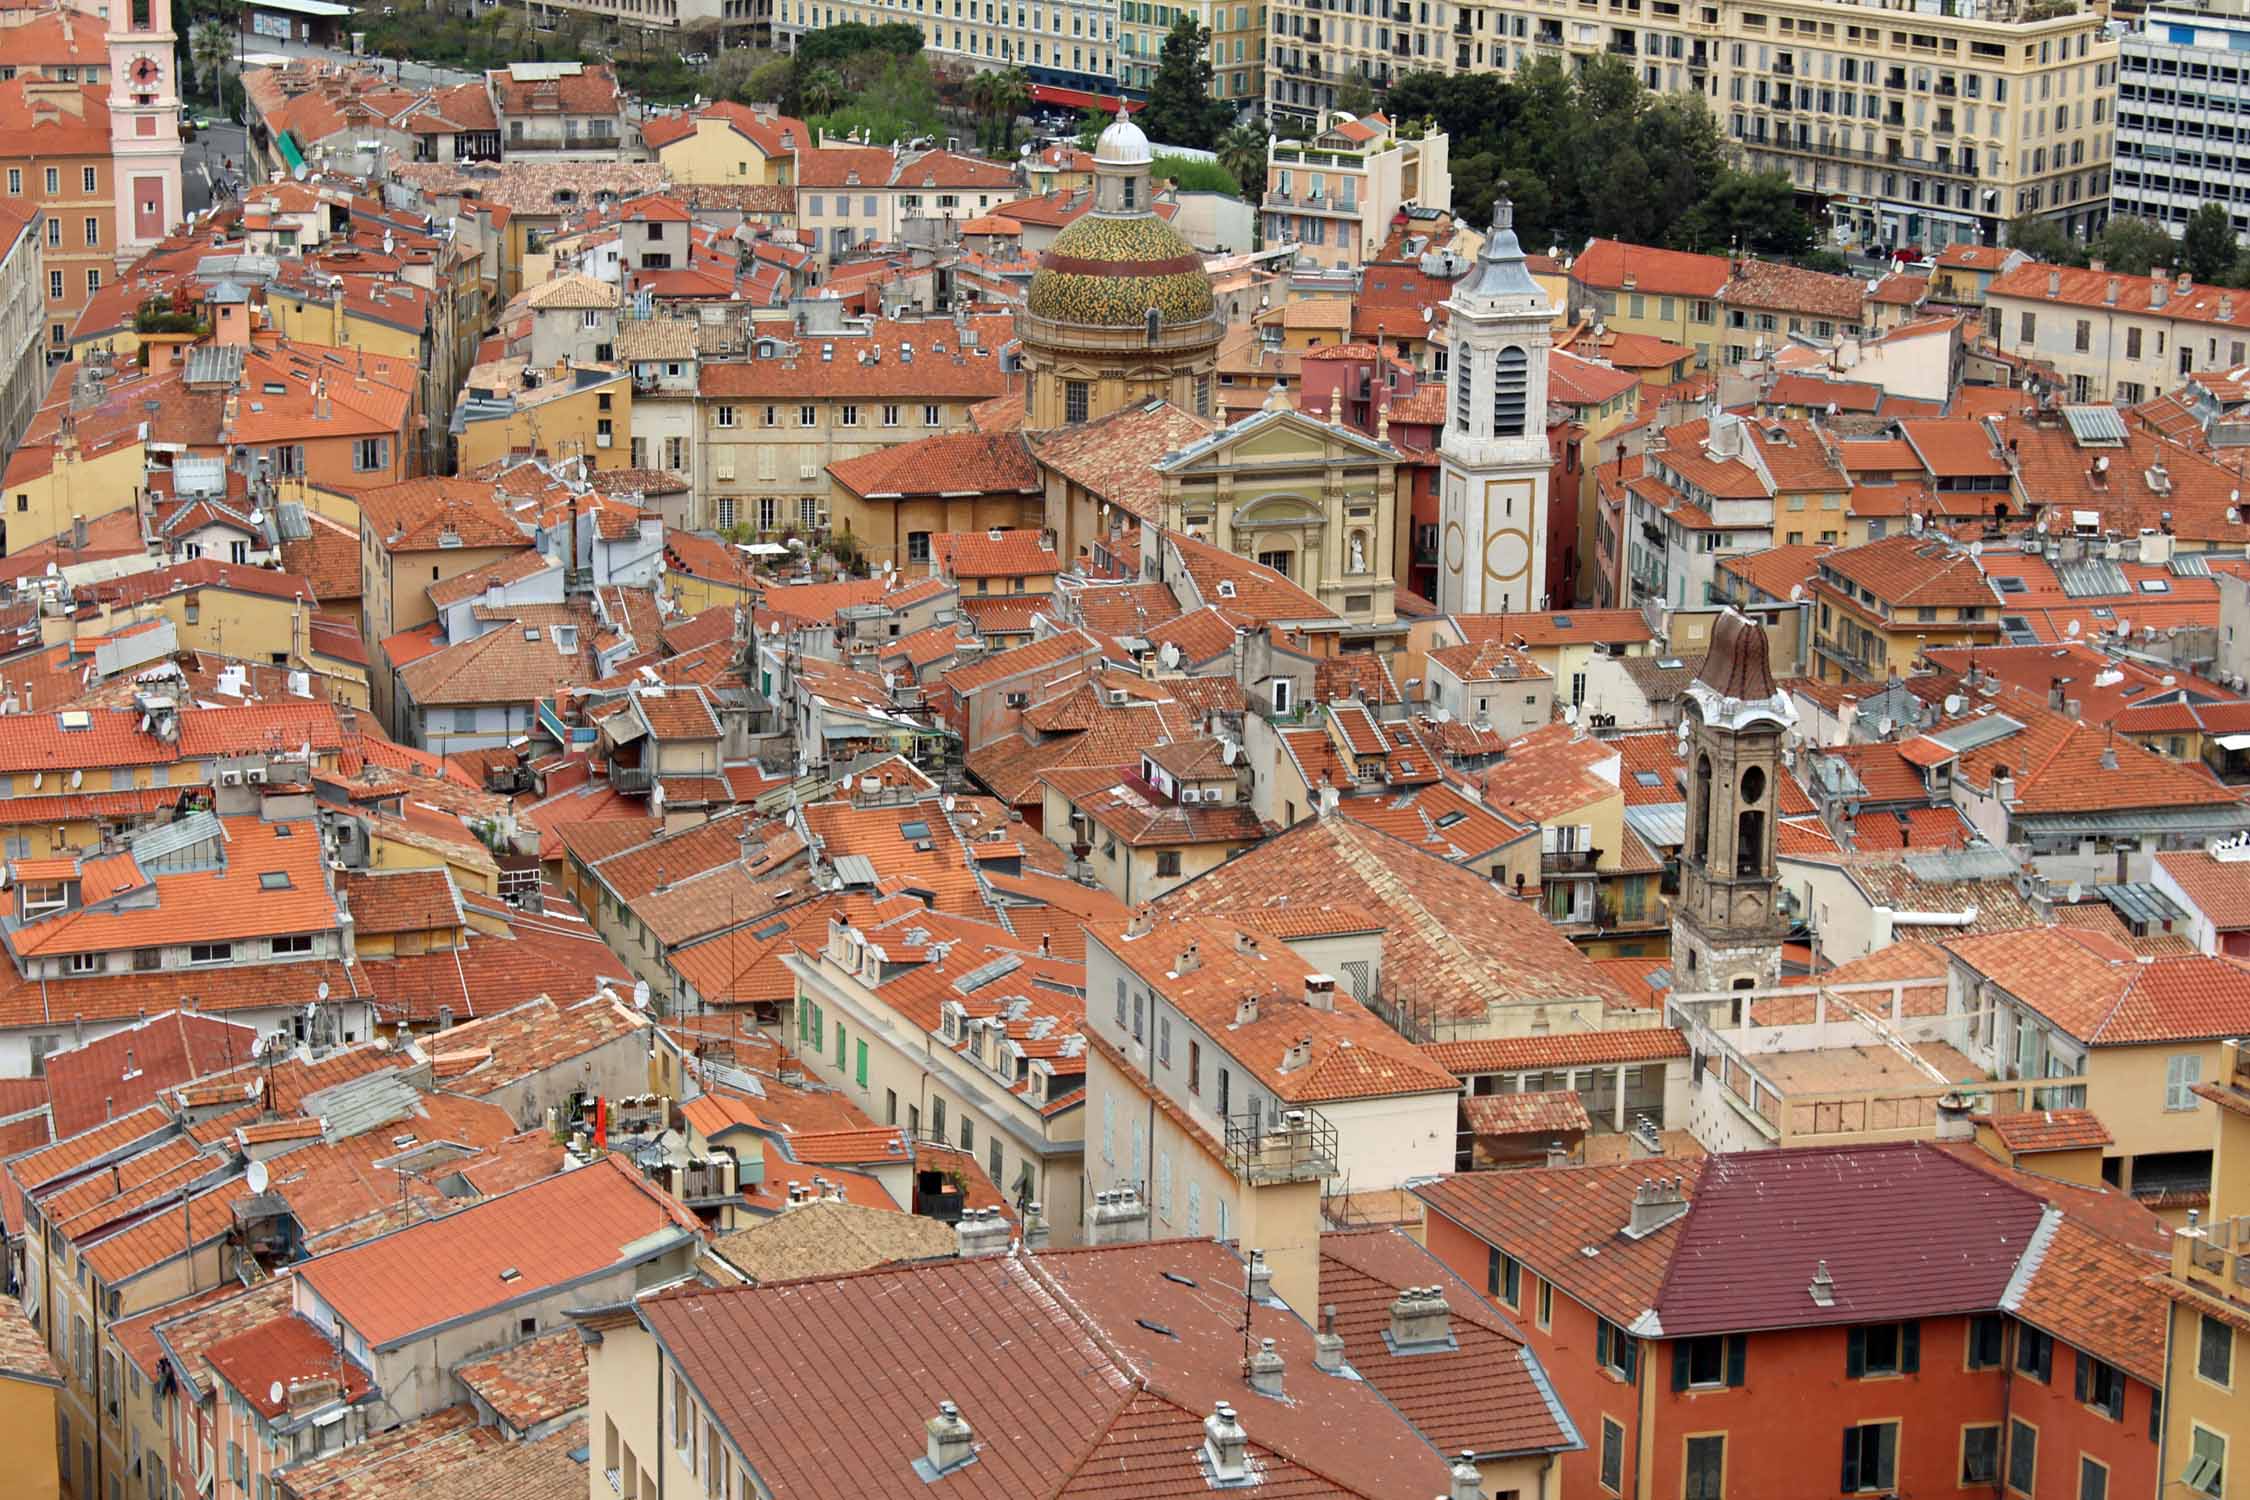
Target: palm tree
824, 92
982, 90
1011, 96
1242, 151
211, 54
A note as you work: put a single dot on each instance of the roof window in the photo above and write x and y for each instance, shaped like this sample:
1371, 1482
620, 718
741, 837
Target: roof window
274, 880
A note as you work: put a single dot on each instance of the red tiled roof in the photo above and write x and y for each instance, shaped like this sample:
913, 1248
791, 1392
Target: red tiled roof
952, 463
2105, 994
1577, 1049
2051, 1130
2219, 889
1613, 265
277, 1355
550, 1233
1905, 1231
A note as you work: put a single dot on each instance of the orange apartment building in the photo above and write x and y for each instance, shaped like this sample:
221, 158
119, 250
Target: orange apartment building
1904, 1319
54, 154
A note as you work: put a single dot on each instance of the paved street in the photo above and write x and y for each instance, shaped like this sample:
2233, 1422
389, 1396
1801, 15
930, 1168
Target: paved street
409, 72
205, 166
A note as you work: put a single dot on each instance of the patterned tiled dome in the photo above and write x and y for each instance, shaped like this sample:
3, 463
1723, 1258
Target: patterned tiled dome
1109, 271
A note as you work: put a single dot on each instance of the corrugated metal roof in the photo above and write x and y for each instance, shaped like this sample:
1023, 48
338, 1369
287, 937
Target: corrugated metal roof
363, 1104
2139, 902
2103, 426
1961, 864
2191, 565
1661, 825
1978, 731
2092, 576
855, 869
174, 846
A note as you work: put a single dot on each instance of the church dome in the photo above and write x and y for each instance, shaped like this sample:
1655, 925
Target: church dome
1123, 143
1108, 270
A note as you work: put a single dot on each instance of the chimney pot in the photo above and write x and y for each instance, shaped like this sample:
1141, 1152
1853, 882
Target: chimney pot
1226, 1446
1467, 1484
951, 1442
1259, 1276
1823, 1286
1320, 992
1266, 1370
1421, 1321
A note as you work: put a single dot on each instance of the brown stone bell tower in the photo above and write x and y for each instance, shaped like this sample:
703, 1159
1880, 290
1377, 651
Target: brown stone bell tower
1727, 927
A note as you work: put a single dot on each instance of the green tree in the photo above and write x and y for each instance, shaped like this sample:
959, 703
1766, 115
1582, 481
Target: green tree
1010, 96
211, 49
820, 90
835, 44
771, 81
1753, 211
2209, 244
1091, 124
1355, 97
1242, 151
1195, 175
2044, 239
898, 104
1183, 109
2134, 246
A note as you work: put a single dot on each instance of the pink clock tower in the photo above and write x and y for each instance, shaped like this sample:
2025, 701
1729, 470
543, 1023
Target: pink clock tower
144, 124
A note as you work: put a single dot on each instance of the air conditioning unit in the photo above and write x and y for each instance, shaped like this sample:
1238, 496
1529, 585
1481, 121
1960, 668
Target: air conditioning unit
256, 775
230, 778
602, 440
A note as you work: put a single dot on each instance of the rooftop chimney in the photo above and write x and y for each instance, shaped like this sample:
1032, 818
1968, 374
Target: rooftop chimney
1190, 959
1328, 1344
1264, 1370
1468, 1484
1245, 944
1320, 992
1246, 1011
1226, 1448
981, 1232
1420, 1321
1299, 1053
1034, 1227
1258, 1276
1120, 1217
1823, 1288
951, 1443
1656, 1203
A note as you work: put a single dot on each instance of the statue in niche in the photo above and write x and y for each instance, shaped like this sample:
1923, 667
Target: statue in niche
1359, 552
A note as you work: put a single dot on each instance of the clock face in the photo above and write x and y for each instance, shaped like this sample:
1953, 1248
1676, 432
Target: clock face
146, 71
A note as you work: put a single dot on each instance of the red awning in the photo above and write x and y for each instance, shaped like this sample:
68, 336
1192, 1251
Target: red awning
1045, 93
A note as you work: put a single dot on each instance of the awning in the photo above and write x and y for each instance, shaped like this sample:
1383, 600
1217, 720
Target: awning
1047, 93
325, 8
2234, 742
289, 152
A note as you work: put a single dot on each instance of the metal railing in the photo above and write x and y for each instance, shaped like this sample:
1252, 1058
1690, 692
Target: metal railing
1300, 1147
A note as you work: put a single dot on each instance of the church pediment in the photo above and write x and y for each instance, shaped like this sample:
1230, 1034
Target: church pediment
1277, 438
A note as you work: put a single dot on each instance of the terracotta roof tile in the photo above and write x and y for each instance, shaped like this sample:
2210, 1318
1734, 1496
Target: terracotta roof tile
531, 1383
1566, 1050
2051, 1130
953, 463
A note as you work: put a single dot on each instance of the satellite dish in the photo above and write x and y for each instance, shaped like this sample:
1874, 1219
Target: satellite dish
2071, 630
277, 1392
257, 1176
640, 994
321, 990
75, 778
257, 516
1976, 549
38, 780
1570, 713
1444, 715
50, 570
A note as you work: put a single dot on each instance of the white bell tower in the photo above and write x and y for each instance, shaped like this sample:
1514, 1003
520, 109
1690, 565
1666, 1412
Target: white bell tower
1493, 460
144, 124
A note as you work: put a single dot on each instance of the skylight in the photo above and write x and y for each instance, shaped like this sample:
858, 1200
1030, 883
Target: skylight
2156, 585
917, 829
274, 880
1648, 778
2008, 585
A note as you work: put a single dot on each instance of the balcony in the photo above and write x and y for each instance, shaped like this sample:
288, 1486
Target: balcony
630, 780
1570, 863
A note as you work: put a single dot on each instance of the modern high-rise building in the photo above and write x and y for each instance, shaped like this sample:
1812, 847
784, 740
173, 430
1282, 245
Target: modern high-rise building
1924, 123
2183, 83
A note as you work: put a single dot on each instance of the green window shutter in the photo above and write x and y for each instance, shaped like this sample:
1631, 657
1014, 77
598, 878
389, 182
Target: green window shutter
1851, 1457
1679, 1364
1910, 1347
839, 1044
2078, 1379
1855, 1357
859, 1062
1738, 1357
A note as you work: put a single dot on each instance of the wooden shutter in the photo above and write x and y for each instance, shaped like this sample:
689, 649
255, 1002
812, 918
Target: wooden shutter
1855, 1357
1679, 1364
1738, 1357
2079, 1378
1851, 1454
1909, 1347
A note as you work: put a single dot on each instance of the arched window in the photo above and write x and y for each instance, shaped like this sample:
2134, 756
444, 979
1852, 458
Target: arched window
1750, 843
1511, 390
1702, 808
1461, 394
1753, 786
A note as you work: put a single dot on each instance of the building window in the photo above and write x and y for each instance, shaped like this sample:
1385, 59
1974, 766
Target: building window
1714, 1361
2023, 1456
84, 963
1870, 1457
15, 182
929, 416
1613, 1456
1503, 1276
1615, 1350
93, 232
86, 178
807, 417
1706, 1467
1883, 1349
1980, 1454
1167, 862
297, 944
2035, 1353
370, 453
849, 416
1986, 1336
2102, 1386
210, 953
725, 417
55, 288
2182, 1072
2093, 1479
918, 546
1511, 389
54, 181
723, 509
1076, 396
2214, 1352
2207, 1462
